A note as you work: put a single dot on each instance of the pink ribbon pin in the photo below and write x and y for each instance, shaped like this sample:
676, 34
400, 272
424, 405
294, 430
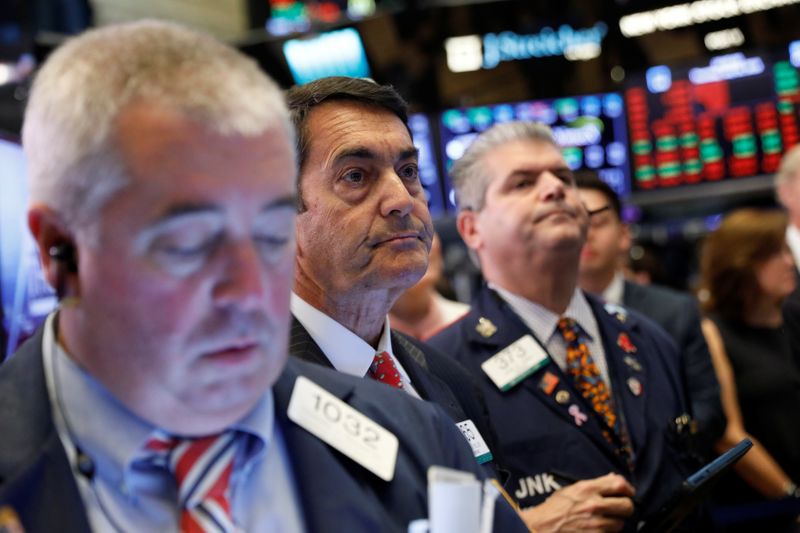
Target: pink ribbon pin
579, 416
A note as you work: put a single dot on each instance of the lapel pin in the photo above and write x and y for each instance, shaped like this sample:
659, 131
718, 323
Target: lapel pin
562, 397
485, 327
624, 342
548, 383
635, 386
578, 415
617, 311
633, 363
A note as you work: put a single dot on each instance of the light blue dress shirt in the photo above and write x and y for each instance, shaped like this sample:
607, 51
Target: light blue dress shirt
125, 492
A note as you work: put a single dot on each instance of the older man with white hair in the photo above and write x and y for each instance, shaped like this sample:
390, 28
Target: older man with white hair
158, 397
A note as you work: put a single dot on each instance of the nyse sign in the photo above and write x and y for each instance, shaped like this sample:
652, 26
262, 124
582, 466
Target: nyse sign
473, 52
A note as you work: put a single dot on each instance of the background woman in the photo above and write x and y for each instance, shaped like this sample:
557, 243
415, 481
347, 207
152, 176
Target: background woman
747, 273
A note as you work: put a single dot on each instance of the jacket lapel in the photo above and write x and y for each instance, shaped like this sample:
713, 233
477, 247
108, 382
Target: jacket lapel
327, 483
35, 473
627, 367
47, 483
302, 346
427, 386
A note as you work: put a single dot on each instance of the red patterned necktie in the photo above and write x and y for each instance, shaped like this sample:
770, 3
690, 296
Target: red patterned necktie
588, 380
384, 370
202, 468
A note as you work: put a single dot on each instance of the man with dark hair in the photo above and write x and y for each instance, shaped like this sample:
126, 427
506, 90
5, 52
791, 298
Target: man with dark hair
303, 99
575, 388
363, 236
607, 241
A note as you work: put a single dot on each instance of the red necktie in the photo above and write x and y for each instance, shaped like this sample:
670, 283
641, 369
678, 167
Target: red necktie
588, 380
202, 468
384, 370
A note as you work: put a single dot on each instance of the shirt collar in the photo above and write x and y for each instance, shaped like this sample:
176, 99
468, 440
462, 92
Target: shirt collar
615, 290
544, 322
347, 352
88, 409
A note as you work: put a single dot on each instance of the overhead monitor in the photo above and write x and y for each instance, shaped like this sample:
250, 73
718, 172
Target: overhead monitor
286, 17
334, 53
26, 297
590, 129
729, 118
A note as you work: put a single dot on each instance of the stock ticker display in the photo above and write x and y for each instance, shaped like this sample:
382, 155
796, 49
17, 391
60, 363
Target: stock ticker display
591, 130
731, 118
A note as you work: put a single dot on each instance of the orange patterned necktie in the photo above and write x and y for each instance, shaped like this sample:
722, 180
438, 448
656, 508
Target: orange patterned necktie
588, 380
384, 370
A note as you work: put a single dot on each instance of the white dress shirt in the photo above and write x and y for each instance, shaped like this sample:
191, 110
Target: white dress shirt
544, 325
615, 291
346, 351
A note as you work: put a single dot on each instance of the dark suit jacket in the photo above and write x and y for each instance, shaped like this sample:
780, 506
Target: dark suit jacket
436, 377
336, 494
538, 435
679, 315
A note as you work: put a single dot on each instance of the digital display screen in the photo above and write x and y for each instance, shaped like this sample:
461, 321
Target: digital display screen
26, 297
590, 129
287, 17
335, 53
420, 126
731, 118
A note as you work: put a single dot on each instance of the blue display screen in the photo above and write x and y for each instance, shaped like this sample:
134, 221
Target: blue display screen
26, 297
335, 53
420, 126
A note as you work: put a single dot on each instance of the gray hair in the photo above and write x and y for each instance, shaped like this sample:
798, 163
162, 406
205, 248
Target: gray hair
73, 164
790, 166
470, 178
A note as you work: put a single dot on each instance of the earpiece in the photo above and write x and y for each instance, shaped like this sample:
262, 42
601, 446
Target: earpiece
64, 255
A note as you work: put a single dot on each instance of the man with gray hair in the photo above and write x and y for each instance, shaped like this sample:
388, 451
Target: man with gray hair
158, 397
575, 389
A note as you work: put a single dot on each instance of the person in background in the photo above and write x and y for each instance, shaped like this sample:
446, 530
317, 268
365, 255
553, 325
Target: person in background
787, 189
157, 397
642, 266
607, 240
747, 272
422, 311
576, 388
